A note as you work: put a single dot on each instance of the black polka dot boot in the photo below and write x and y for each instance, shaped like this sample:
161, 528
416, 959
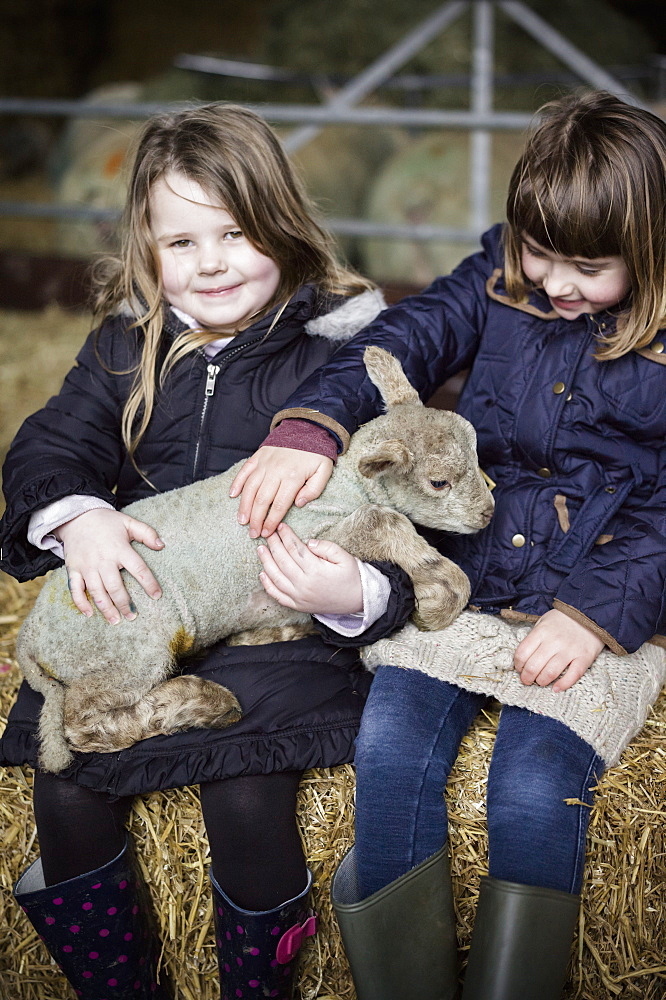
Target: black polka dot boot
257, 950
99, 928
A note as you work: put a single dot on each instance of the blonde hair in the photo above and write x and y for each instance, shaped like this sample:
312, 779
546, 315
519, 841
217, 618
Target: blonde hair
236, 158
592, 183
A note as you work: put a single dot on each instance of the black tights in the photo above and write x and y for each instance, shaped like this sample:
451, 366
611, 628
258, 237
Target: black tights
254, 842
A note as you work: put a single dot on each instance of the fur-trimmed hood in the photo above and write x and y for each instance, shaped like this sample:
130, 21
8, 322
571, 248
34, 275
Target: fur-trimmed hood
348, 319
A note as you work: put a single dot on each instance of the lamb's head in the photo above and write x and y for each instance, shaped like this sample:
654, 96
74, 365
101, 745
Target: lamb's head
423, 460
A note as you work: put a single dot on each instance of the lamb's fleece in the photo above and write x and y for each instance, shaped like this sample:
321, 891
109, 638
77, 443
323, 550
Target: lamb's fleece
106, 686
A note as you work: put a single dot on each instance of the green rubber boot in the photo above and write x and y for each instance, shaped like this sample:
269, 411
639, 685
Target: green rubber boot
401, 941
521, 942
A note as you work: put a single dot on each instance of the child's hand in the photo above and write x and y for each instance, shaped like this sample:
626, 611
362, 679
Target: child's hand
276, 478
319, 578
97, 545
557, 643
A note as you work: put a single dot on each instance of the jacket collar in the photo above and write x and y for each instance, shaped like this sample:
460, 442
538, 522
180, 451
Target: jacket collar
333, 317
537, 303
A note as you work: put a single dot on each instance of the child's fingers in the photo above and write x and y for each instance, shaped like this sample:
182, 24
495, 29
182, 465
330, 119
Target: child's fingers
135, 565
118, 596
293, 490
315, 484
249, 498
573, 673
280, 568
98, 590
266, 516
273, 591
330, 551
285, 540
77, 589
532, 666
139, 531
242, 476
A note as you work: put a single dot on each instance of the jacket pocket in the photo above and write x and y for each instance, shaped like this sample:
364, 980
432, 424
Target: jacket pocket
587, 524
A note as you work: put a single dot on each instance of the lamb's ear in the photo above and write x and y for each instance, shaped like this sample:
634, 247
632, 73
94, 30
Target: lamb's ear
385, 455
386, 373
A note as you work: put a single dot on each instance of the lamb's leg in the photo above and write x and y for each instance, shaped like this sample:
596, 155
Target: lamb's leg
441, 588
262, 636
105, 720
190, 702
103, 716
54, 753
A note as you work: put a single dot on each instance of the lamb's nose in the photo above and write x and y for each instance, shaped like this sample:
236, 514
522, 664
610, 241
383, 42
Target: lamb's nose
486, 517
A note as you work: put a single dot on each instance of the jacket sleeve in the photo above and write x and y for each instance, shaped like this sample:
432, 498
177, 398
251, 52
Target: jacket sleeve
618, 589
433, 334
401, 603
72, 446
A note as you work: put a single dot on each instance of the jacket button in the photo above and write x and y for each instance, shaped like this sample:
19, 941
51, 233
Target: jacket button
657, 347
610, 489
518, 541
544, 473
559, 388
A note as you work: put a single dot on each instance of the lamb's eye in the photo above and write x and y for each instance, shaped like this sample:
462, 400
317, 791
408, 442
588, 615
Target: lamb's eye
439, 484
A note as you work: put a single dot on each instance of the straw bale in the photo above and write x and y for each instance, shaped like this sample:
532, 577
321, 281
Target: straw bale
620, 947
37, 349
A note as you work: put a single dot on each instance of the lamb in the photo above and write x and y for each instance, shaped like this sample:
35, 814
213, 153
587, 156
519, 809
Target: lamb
106, 687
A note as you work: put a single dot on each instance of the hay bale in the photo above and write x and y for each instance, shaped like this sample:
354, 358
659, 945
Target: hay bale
37, 349
427, 183
88, 170
620, 948
338, 167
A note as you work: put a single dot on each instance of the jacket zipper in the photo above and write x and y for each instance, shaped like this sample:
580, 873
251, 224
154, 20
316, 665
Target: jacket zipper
209, 390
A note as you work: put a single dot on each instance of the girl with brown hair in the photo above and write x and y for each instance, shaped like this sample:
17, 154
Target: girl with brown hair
560, 318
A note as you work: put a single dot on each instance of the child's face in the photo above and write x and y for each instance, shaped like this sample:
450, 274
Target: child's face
575, 285
210, 270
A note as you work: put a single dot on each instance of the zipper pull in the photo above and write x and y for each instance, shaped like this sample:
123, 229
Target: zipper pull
210, 380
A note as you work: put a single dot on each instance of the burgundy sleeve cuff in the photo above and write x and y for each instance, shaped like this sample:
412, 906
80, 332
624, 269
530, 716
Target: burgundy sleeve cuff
304, 436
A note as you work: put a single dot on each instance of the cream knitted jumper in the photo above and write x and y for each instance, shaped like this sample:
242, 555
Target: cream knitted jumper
606, 707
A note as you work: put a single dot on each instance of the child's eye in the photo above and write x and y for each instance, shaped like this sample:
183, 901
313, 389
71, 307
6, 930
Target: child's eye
181, 243
532, 251
234, 234
589, 271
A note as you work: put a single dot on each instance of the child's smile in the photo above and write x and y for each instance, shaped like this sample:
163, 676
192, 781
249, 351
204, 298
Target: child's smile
210, 270
575, 285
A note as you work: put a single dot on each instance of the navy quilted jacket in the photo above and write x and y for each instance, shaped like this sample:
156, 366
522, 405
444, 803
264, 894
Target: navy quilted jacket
576, 446
209, 415
302, 700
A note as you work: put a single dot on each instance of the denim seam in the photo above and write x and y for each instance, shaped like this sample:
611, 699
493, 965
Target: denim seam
416, 824
579, 858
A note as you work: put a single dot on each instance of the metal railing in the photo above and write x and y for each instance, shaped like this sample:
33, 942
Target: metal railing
342, 109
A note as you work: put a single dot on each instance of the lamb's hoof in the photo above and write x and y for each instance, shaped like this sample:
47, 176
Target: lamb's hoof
212, 706
226, 715
441, 590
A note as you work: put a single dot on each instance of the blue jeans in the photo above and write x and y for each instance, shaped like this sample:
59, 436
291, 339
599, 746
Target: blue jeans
410, 735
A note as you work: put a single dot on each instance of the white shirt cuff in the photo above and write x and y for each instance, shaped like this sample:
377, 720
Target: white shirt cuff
376, 593
48, 518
